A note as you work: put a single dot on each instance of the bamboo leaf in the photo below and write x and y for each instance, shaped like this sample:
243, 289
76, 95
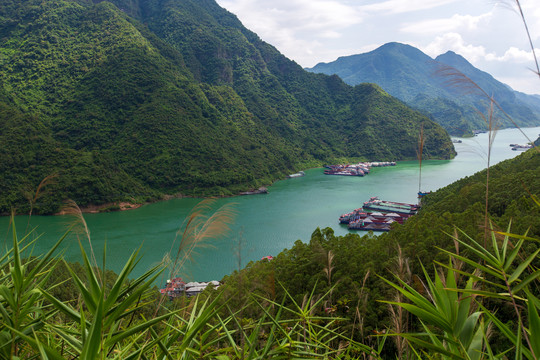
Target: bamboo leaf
86, 295
475, 264
535, 275
507, 332
112, 297
416, 339
43, 260
534, 328
473, 277
522, 266
35, 343
123, 335
513, 254
424, 315
524, 237
94, 287
475, 344
74, 342
466, 334
412, 294
92, 344
478, 248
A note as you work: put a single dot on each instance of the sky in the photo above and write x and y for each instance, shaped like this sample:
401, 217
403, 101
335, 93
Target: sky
488, 33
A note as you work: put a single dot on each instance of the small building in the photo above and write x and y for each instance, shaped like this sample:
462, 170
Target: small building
177, 287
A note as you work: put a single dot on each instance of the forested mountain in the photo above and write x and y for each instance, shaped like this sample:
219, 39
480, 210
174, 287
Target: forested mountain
428, 85
130, 100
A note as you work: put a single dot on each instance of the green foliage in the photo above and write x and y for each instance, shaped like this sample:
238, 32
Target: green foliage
106, 318
23, 313
506, 274
131, 100
358, 260
444, 308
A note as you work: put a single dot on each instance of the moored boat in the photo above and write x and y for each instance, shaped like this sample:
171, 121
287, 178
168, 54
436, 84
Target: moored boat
375, 204
298, 174
261, 190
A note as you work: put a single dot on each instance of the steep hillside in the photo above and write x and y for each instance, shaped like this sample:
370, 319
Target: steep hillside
136, 99
410, 75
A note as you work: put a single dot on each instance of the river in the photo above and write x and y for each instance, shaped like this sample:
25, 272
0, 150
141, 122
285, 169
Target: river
265, 224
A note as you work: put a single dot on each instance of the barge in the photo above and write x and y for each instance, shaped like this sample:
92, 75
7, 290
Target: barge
375, 204
381, 219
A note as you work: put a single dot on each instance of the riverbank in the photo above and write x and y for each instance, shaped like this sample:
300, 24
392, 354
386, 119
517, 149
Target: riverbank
264, 224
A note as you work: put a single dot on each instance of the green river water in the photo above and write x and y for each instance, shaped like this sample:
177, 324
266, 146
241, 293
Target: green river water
265, 224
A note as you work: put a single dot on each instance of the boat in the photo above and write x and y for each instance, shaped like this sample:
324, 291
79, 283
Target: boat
369, 226
345, 172
298, 174
378, 215
372, 217
521, 147
382, 163
261, 190
375, 204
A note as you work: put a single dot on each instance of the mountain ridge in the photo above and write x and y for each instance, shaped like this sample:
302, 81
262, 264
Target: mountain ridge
431, 86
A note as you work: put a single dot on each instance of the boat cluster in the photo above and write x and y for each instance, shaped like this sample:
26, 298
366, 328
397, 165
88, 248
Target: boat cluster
176, 287
359, 169
521, 147
378, 215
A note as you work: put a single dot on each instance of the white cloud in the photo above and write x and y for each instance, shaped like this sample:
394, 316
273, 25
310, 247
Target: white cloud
515, 55
295, 15
461, 22
531, 13
453, 41
402, 6
456, 43
298, 28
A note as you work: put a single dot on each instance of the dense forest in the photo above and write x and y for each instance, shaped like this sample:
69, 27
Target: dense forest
442, 285
102, 102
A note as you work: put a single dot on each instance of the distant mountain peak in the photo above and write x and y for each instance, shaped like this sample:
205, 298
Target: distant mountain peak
451, 58
406, 72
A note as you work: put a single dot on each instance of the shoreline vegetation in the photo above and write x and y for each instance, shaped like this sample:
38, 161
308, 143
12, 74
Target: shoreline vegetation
123, 205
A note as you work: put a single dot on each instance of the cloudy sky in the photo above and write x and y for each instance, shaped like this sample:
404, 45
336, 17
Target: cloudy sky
488, 33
